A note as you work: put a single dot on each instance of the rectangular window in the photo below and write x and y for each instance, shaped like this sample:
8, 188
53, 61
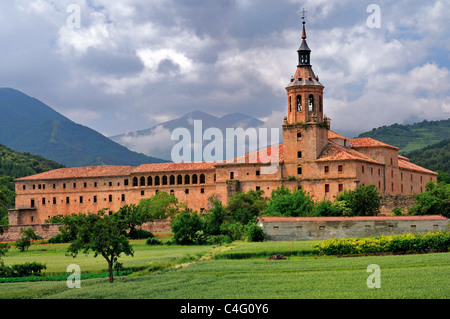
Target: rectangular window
43, 186
258, 188
299, 170
23, 187
258, 173
54, 186
64, 185
142, 193
125, 182
341, 187
110, 184
231, 175
54, 200
95, 199
327, 169
43, 201
81, 199
362, 169
340, 168
32, 203
95, 184
123, 197
327, 188
110, 198
74, 185
202, 190
85, 185
299, 155
186, 191
67, 200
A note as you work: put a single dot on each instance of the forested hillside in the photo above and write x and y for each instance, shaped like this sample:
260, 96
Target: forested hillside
15, 165
411, 137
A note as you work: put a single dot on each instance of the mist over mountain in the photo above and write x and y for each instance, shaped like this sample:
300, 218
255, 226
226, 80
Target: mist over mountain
28, 125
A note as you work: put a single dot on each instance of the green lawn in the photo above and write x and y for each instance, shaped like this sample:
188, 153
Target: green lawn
407, 276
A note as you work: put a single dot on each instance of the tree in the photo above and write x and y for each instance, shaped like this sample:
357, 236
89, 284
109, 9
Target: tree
283, 202
105, 235
363, 201
159, 206
244, 206
434, 201
188, 228
28, 234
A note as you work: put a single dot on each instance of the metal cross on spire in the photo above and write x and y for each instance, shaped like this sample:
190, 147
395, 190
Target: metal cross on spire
303, 12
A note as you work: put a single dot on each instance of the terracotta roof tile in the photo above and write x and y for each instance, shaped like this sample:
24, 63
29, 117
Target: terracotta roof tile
335, 152
81, 172
406, 164
369, 142
170, 167
332, 135
262, 156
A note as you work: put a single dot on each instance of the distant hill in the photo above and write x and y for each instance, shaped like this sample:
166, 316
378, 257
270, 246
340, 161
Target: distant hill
28, 125
15, 165
411, 137
435, 157
157, 140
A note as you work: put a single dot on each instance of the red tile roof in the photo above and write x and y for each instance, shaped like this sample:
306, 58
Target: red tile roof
369, 142
334, 152
81, 172
332, 135
170, 167
406, 164
262, 156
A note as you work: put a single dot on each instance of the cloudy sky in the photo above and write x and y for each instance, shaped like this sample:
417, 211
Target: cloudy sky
127, 65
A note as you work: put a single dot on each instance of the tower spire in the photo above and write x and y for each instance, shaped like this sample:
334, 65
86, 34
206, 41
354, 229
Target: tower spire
303, 22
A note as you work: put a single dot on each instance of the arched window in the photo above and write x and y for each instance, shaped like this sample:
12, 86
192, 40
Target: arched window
299, 103
157, 181
202, 179
172, 180
311, 102
135, 181
194, 179
164, 180
142, 182
179, 180
321, 104
187, 180
290, 103
149, 181
172, 192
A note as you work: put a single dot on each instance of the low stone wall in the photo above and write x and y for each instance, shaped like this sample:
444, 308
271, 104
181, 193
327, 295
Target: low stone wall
389, 202
47, 231
316, 228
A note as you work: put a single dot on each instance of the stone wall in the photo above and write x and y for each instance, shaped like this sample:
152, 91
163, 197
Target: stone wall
47, 231
389, 202
316, 228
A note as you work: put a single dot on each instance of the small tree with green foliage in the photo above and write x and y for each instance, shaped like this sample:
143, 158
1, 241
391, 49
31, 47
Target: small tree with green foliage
24, 242
434, 201
105, 235
363, 201
251, 204
160, 206
188, 228
283, 202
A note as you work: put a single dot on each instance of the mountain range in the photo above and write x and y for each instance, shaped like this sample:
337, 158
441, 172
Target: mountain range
157, 139
28, 125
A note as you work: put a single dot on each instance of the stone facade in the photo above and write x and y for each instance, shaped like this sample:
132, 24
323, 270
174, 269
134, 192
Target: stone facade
312, 157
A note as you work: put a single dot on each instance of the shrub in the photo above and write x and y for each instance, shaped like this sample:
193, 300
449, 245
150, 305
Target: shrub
219, 240
140, 234
283, 202
327, 208
254, 233
152, 241
28, 234
434, 201
22, 270
233, 230
407, 243
60, 238
215, 218
187, 228
397, 211
363, 201
252, 203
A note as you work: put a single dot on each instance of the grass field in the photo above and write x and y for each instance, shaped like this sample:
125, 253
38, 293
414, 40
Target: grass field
218, 272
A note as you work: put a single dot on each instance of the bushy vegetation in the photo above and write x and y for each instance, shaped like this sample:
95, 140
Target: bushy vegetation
434, 201
223, 224
32, 269
28, 235
407, 243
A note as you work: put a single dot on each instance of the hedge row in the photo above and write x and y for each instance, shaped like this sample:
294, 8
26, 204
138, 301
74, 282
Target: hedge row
396, 244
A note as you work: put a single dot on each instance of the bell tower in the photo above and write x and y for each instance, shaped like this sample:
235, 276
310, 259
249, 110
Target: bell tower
305, 129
